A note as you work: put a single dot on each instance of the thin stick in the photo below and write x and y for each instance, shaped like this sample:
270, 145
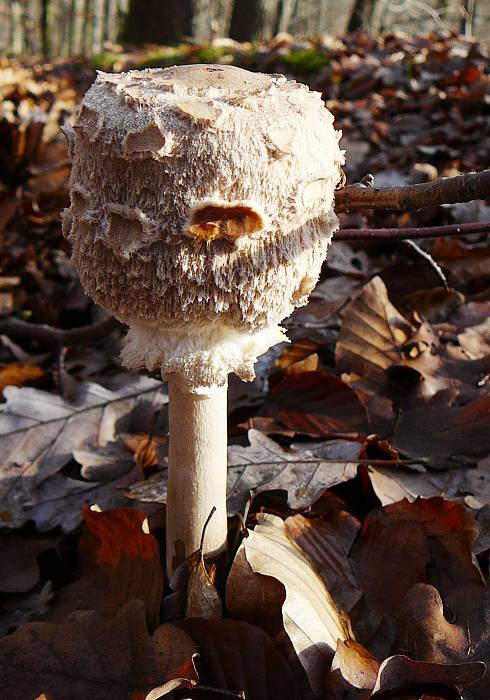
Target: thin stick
462, 188
58, 337
316, 460
396, 234
428, 260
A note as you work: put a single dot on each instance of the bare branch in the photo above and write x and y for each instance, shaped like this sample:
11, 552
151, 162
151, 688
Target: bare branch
58, 337
462, 188
397, 234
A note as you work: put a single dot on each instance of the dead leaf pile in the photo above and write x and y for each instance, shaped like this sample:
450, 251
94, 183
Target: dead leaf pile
359, 470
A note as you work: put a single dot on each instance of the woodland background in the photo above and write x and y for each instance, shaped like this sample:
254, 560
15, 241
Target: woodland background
359, 477
68, 27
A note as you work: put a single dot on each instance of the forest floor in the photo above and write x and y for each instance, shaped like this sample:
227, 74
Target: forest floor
359, 457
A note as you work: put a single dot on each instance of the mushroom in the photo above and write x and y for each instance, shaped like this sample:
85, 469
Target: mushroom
201, 212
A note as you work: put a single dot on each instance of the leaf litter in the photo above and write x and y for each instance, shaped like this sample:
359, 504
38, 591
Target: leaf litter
359, 477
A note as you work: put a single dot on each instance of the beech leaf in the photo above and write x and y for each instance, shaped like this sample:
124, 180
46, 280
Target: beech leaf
310, 617
91, 656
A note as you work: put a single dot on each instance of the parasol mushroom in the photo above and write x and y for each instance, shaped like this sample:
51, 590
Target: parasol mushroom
201, 212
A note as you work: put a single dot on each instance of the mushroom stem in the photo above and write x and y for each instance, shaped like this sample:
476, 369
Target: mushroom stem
197, 470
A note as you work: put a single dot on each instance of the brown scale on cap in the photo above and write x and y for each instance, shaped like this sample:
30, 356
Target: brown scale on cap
231, 222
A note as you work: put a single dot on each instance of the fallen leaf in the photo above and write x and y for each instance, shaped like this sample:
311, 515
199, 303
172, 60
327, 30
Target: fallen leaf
239, 657
317, 404
309, 615
17, 609
394, 483
90, 655
430, 541
399, 675
444, 433
19, 375
475, 341
326, 544
38, 434
19, 566
266, 466
380, 346
119, 562
352, 667
203, 600
424, 633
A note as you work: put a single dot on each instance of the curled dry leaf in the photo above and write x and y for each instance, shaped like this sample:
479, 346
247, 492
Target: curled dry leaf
352, 667
93, 655
376, 339
310, 617
236, 656
399, 675
202, 597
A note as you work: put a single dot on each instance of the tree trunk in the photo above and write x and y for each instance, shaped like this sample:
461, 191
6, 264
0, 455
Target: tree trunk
157, 22
98, 36
467, 18
210, 18
254, 19
361, 15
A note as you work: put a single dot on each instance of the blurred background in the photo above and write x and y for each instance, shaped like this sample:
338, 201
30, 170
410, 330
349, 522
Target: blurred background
88, 27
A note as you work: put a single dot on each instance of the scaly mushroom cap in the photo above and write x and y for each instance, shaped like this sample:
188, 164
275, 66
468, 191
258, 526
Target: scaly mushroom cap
201, 210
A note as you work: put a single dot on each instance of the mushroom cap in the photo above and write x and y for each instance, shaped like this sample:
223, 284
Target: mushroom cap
201, 210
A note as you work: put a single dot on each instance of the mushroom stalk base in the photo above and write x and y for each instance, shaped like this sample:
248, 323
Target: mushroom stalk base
197, 470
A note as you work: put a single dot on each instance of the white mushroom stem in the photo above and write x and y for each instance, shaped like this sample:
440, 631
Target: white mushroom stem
197, 470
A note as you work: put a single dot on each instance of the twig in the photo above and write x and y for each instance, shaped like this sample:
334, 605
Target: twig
58, 337
462, 188
221, 691
354, 234
316, 460
429, 260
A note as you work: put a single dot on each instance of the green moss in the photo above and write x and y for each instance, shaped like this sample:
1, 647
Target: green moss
104, 60
163, 58
305, 61
211, 54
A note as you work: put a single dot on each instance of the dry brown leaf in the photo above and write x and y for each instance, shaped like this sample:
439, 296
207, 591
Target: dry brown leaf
120, 562
92, 655
445, 433
202, 597
352, 667
424, 634
253, 598
309, 615
475, 341
400, 676
19, 375
379, 345
428, 541
265, 466
327, 543
318, 404
19, 567
299, 357
236, 656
